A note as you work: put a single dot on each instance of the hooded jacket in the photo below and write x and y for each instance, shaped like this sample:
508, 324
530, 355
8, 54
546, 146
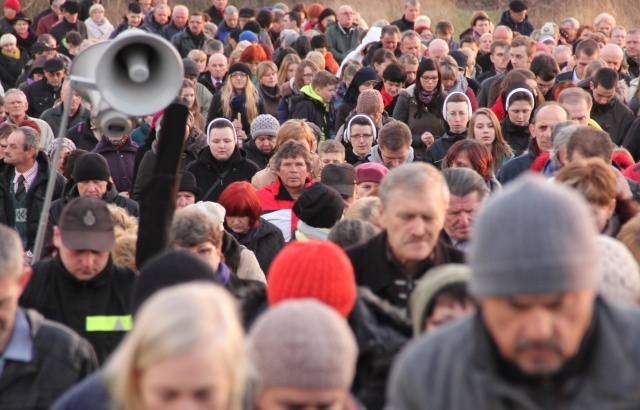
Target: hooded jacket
376, 156
524, 28
208, 170
58, 295
310, 106
35, 196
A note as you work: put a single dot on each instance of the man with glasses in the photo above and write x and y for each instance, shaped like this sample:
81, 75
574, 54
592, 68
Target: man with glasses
361, 134
344, 35
192, 37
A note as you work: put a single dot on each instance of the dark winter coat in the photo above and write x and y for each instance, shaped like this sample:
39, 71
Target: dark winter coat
457, 368
517, 166
59, 296
419, 122
170, 30
11, 68
185, 41
53, 117
146, 171
374, 270
151, 25
266, 244
438, 150
120, 162
60, 30
271, 102
524, 28
255, 155
60, 358
614, 118
516, 136
368, 58
403, 24
35, 196
208, 171
311, 109
41, 96
82, 135
90, 393
217, 17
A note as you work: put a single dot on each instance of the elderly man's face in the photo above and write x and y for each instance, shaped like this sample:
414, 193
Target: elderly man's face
539, 333
413, 221
461, 214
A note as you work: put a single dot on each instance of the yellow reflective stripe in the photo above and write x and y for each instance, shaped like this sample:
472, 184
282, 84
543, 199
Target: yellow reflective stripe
108, 323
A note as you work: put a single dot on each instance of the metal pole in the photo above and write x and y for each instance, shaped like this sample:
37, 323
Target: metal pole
44, 216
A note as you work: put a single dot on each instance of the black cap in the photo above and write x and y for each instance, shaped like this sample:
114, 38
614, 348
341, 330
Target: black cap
40, 47
188, 184
460, 57
190, 68
20, 16
53, 64
86, 224
91, 167
170, 268
319, 206
341, 177
517, 6
239, 67
71, 7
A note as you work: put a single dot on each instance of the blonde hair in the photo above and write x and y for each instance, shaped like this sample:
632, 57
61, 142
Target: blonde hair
594, 179
284, 67
124, 223
172, 322
366, 209
197, 118
196, 55
264, 67
295, 130
316, 58
251, 106
124, 251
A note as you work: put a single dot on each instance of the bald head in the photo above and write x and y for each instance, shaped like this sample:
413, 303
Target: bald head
503, 33
612, 55
438, 48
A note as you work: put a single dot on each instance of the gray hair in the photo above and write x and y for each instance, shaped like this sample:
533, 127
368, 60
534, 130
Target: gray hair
291, 149
31, 138
380, 23
414, 177
463, 181
351, 232
409, 34
411, 3
192, 227
7, 39
560, 136
230, 10
11, 253
389, 30
604, 17
574, 23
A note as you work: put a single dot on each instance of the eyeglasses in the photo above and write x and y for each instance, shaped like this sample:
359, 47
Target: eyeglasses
429, 79
239, 75
307, 76
364, 137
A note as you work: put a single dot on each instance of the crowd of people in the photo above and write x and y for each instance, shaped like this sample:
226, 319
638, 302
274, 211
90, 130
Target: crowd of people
391, 215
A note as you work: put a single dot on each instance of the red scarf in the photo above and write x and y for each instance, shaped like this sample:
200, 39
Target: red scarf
386, 98
121, 144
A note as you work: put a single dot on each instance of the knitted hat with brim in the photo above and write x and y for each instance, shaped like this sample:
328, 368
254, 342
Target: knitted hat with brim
314, 269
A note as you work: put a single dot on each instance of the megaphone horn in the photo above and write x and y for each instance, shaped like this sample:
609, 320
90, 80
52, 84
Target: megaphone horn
137, 74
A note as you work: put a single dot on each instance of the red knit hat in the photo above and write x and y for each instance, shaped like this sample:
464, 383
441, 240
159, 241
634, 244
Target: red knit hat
314, 10
12, 4
314, 269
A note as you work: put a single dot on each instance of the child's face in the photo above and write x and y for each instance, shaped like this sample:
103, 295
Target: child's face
326, 93
331, 158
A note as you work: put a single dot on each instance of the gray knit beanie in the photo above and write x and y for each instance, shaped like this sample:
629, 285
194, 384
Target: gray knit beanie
620, 272
264, 124
303, 344
534, 237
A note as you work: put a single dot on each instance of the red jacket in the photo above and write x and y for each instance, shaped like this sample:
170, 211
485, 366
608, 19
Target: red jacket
277, 207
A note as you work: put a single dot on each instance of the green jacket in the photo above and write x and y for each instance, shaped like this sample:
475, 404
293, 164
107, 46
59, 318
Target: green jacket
341, 42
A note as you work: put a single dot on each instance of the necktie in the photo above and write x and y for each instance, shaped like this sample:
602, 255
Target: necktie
21, 188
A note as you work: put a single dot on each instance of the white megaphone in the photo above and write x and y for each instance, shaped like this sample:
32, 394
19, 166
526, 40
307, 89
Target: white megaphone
134, 75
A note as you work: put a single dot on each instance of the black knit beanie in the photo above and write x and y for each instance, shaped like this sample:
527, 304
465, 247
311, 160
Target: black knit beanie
319, 206
91, 167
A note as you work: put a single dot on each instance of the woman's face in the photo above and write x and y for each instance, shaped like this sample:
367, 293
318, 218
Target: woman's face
195, 379
585, 34
64, 153
21, 26
328, 20
221, 143
202, 64
239, 81
366, 86
520, 112
238, 224
462, 161
429, 80
447, 83
485, 44
307, 75
291, 71
483, 130
270, 79
97, 15
457, 116
365, 189
188, 95
9, 48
